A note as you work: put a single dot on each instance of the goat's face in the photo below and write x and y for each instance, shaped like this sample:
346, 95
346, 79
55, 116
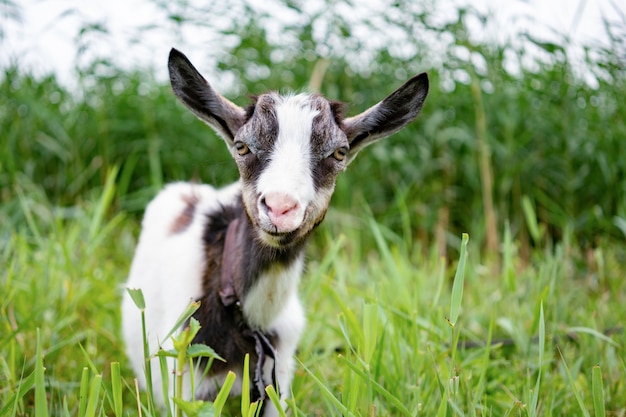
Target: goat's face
289, 153
290, 149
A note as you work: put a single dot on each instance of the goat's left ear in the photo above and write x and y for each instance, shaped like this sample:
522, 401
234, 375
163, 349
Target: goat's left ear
388, 116
207, 104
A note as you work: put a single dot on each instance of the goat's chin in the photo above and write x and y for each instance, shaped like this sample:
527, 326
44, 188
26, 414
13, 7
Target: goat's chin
277, 240
269, 235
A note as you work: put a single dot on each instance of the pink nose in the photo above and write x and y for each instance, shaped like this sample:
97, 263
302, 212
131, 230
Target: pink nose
282, 210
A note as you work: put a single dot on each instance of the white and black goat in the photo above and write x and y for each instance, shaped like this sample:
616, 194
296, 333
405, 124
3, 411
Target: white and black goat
239, 250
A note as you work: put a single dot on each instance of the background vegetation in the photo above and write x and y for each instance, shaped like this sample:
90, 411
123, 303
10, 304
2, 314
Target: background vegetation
519, 144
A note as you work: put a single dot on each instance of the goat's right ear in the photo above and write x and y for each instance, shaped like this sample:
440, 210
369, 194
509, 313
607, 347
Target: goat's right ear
388, 116
199, 97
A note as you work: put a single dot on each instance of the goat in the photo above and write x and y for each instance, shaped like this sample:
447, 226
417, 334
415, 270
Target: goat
239, 250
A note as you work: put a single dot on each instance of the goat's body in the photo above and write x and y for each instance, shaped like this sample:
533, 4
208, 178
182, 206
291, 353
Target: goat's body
171, 268
240, 250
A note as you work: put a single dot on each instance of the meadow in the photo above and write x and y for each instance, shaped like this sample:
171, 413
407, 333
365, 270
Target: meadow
406, 316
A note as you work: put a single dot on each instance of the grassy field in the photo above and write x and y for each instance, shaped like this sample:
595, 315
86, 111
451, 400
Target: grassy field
539, 338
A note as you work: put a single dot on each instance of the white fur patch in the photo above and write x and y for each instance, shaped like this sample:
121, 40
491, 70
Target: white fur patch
289, 169
268, 296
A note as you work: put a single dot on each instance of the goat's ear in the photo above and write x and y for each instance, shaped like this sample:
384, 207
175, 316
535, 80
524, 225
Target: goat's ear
206, 103
386, 117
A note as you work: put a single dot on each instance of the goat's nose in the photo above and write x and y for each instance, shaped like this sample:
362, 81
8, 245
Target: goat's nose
281, 209
280, 204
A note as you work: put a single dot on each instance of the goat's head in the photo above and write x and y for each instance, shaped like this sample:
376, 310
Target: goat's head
290, 149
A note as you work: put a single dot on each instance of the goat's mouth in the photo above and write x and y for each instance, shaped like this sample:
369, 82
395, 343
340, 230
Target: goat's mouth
272, 235
276, 233
271, 228
283, 224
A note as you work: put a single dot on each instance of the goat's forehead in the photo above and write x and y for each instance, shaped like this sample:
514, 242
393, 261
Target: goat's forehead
309, 115
299, 105
307, 106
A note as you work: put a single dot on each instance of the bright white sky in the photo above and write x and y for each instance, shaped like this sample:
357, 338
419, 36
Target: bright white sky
45, 39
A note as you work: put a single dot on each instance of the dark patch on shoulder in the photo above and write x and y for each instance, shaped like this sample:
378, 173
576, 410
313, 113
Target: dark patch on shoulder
184, 219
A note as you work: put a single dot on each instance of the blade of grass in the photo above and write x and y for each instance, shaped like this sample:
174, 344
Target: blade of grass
485, 366
94, 395
330, 256
384, 250
128, 167
146, 351
531, 219
137, 296
138, 397
165, 381
579, 398
593, 333
222, 396
442, 411
441, 278
345, 323
90, 363
457, 286
532, 408
116, 388
255, 409
66, 409
397, 403
84, 389
271, 392
41, 401
155, 166
186, 315
508, 252
30, 220
245, 387
325, 391
370, 334
103, 204
26, 384
598, 392
138, 299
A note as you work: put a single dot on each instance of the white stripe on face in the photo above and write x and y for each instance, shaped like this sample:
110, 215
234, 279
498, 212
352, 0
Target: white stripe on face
286, 184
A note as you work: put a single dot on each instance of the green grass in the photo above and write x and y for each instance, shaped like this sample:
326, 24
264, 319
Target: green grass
538, 338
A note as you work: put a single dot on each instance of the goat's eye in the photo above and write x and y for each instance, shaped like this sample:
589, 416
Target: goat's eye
340, 153
241, 148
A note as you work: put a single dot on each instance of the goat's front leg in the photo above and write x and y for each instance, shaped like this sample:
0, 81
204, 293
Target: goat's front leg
288, 328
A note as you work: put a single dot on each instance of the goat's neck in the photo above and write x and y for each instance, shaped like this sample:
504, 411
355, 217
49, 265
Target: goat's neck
269, 275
